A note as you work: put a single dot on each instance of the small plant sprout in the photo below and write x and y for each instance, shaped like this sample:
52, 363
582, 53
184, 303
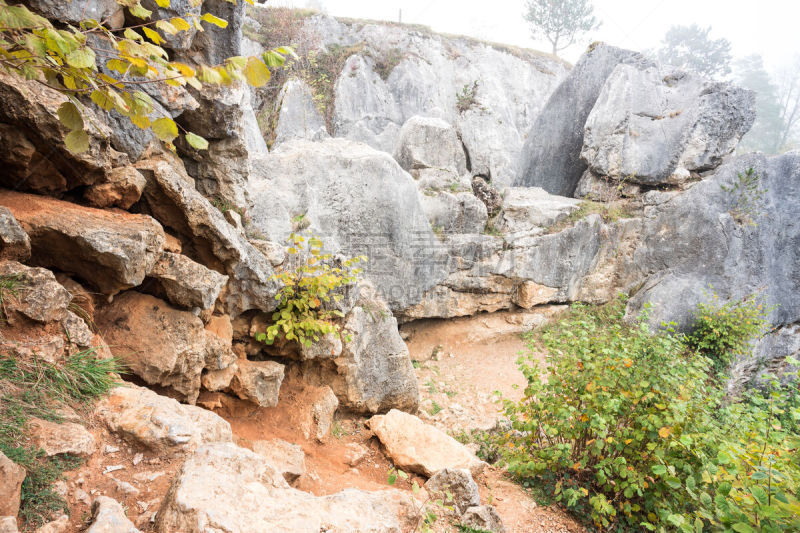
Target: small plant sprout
309, 288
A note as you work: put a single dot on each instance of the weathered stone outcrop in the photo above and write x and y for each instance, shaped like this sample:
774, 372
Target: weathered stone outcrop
430, 143
160, 423
551, 155
162, 345
186, 283
258, 381
284, 457
374, 371
74, 13
419, 447
111, 250
56, 439
692, 244
298, 116
108, 516
170, 197
33, 152
36, 294
455, 487
654, 125
395, 74
360, 201
249, 495
11, 477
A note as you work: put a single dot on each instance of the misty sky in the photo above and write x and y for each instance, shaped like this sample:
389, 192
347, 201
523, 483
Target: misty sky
768, 27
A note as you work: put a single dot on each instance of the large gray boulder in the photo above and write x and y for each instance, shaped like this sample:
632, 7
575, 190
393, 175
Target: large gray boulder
110, 250
551, 155
430, 143
693, 245
250, 495
654, 125
359, 201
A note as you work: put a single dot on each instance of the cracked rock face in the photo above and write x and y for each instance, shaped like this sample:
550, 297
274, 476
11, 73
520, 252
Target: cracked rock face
162, 345
250, 495
551, 155
14, 242
160, 423
653, 125
110, 250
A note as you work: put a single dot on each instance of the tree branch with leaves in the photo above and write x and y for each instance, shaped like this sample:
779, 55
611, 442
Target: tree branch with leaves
66, 58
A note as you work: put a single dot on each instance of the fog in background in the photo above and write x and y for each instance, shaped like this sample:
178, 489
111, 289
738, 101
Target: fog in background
766, 27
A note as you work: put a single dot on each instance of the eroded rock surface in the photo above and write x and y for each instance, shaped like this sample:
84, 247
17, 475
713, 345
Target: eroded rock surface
160, 423
419, 447
162, 345
249, 495
112, 251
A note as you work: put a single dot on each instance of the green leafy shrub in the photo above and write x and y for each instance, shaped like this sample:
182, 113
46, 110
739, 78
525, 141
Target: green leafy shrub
315, 282
723, 331
628, 428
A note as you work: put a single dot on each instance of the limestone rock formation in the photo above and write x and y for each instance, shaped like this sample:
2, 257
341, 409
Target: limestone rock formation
160, 423
695, 243
298, 116
66, 437
249, 495
360, 201
258, 381
284, 457
112, 251
430, 143
171, 197
123, 188
551, 156
526, 209
419, 447
8, 524
653, 125
162, 345
187, 284
483, 517
456, 488
374, 372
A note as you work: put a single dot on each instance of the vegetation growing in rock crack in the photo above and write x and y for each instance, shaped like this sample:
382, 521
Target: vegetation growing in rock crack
426, 511
468, 98
311, 288
632, 428
37, 389
131, 57
746, 197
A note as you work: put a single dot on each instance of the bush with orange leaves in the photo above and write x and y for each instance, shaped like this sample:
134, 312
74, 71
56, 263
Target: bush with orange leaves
631, 429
